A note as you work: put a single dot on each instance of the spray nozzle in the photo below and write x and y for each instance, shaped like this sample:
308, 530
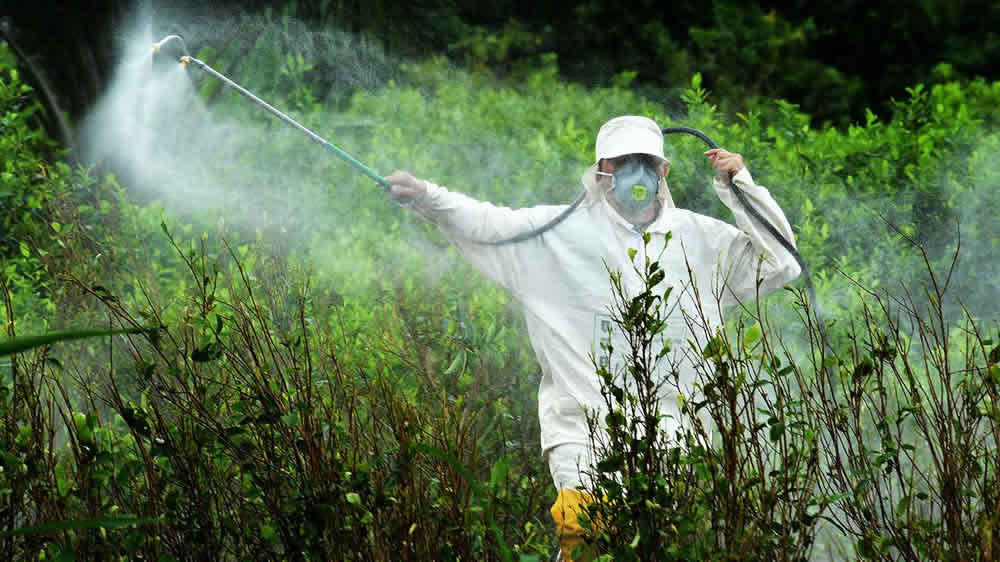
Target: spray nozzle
158, 46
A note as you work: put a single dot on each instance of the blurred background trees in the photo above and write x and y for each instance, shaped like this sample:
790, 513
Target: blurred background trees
833, 61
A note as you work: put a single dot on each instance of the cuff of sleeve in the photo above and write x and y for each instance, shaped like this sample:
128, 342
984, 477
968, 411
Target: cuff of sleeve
743, 178
432, 192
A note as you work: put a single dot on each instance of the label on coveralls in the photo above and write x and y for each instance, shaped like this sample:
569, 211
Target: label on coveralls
610, 344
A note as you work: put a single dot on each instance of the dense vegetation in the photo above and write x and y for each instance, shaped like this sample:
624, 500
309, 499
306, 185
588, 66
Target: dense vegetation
334, 379
835, 61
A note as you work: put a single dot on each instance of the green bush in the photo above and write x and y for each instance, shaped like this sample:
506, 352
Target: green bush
28, 182
739, 478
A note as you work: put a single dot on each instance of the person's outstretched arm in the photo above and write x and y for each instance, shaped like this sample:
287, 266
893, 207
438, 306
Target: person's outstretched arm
472, 225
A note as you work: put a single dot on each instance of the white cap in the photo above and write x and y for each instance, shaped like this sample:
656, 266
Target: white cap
629, 134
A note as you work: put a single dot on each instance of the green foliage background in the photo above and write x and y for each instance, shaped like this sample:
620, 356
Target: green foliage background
835, 61
339, 378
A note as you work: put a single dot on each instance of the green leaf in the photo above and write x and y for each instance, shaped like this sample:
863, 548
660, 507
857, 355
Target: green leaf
610, 464
656, 278
63, 484
22, 344
267, 532
457, 364
777, 430
902, 506
499, 472
713, 349
752, 335
353, 498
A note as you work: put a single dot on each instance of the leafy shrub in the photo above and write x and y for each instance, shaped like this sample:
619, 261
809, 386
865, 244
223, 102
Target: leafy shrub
909, 425
737, 480
27, 181
251, 428
891, 438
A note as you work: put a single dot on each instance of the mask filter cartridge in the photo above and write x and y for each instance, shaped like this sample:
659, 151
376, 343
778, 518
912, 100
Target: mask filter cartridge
634, 186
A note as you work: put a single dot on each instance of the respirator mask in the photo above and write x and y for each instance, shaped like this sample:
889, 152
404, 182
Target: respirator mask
634, 185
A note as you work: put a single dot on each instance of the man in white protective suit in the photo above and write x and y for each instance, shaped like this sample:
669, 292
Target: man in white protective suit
561, 279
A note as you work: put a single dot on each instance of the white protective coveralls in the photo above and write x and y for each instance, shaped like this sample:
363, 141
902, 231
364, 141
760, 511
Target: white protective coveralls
561, 280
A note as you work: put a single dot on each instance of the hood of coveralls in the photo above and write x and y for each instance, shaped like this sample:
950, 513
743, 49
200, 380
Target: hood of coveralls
628, 134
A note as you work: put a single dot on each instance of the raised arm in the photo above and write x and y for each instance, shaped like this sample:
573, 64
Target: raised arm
755, 256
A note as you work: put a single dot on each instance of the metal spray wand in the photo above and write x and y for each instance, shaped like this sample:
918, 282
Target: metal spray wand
187, 59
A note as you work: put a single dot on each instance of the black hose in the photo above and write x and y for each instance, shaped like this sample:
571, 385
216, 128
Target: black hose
750, 208
753, 212
544, 228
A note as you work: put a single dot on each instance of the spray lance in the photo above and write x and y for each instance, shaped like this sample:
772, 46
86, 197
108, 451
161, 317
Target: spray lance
186, 59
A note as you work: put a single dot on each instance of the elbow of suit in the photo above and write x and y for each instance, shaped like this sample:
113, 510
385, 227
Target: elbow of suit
781, 271
793, 270
788, 267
